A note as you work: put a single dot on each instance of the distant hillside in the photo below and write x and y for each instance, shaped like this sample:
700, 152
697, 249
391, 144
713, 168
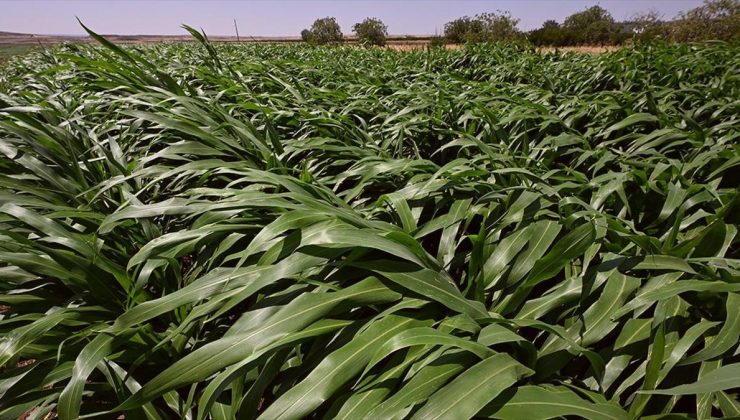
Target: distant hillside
21, 38
3, 33
14, 34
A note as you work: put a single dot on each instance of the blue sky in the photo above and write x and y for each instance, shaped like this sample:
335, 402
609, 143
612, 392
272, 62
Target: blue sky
286, 17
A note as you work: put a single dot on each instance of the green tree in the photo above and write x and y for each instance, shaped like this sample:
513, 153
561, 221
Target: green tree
307, 36
499, 26
323, 31
550, 24
595, 25
551, 34
457, 30
371, 31
646, 26
484, 27
715, 19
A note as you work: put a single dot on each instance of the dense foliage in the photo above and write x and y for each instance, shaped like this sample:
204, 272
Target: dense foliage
594, 25
371, 31
198, 231
323, 31
714, 20
484, 27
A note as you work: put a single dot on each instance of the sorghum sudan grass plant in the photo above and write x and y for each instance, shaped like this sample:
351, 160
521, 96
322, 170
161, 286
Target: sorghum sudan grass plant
201, 231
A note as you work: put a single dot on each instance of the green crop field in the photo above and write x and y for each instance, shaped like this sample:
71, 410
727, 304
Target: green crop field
203, 231
8, 51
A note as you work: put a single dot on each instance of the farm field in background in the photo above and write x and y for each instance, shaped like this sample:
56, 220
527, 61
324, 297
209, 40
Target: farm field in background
18, 44
204, 231
7, 51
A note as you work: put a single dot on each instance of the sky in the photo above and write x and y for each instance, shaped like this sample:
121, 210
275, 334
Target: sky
288, 17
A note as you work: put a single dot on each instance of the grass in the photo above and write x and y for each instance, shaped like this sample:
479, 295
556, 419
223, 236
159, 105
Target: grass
199, 231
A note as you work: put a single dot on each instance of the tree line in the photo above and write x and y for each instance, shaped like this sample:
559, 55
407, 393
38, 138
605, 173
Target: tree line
371, 31
714, 20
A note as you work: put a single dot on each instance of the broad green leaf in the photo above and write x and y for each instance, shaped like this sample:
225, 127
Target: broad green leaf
234, 348
336, 369
425, 336
720, 379
424, 383
547, 402
473, 389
